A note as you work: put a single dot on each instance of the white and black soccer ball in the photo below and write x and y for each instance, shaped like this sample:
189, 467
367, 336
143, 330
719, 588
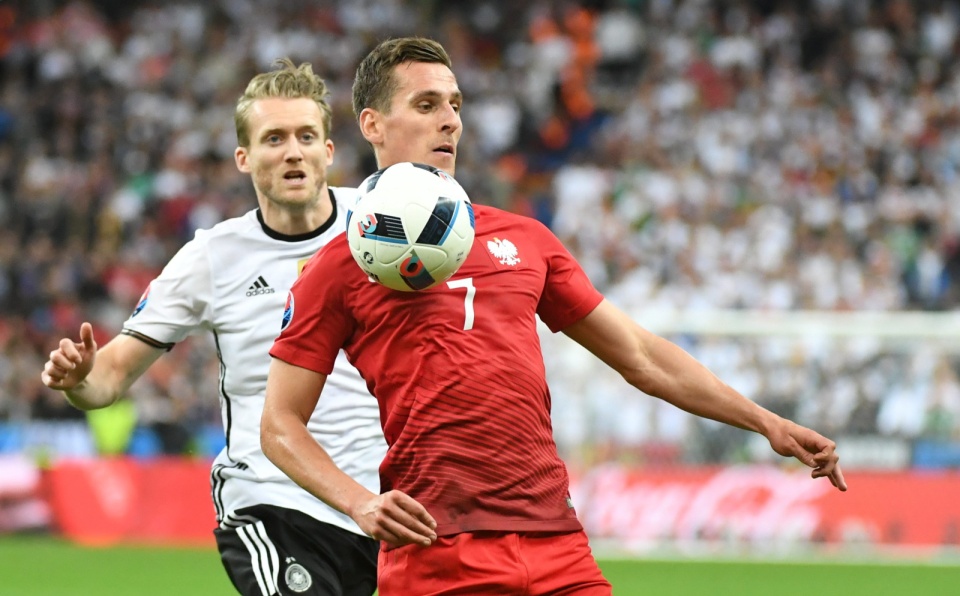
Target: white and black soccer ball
412, 226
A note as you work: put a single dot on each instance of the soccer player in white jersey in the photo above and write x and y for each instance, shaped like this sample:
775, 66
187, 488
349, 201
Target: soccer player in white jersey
233, 280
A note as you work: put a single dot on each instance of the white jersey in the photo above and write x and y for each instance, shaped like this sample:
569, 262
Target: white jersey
233, 280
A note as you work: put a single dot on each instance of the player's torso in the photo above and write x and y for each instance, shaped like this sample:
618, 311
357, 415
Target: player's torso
250, 292
251, 271
482, 319
233, 281
460, 372
250, 277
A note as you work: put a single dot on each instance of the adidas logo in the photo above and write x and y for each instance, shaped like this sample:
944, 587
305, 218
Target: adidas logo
260, 286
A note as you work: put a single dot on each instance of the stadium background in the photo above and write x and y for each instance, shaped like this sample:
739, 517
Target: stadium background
775, 185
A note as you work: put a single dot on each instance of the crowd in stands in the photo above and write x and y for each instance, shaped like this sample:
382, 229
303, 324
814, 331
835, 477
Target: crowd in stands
695, 155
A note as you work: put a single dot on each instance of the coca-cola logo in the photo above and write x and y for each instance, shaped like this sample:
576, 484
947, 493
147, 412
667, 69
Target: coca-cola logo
753, 504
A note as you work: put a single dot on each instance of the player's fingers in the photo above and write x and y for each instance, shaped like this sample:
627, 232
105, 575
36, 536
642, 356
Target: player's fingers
834, 475
816, 450
413, 526
61, 360
54, 372
86, 337
802, 454
827, 458
393, 532
406, 511
69, 349
823, 447
390, 538
819, 453
417, 511
837, 478
48, 380
833, 472
59, 371
400, 533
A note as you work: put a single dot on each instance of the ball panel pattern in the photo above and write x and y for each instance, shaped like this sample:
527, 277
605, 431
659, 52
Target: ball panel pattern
412, 227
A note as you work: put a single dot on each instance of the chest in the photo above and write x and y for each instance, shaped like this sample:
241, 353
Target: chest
499, 284
250, 293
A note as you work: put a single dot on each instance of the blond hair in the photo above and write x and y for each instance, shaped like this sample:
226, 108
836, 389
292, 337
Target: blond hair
288, 81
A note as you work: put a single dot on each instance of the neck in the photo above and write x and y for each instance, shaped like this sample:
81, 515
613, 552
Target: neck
292, 220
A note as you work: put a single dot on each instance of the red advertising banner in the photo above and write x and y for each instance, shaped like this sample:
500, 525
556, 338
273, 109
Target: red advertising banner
641, 508
22, 506
107, 501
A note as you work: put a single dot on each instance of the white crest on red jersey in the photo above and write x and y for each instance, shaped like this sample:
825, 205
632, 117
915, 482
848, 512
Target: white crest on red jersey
504, 250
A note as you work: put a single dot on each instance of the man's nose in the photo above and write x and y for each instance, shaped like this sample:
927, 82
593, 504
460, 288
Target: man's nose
293, 150
450, 120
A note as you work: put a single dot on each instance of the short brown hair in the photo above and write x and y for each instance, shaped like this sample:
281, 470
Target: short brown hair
375, 84
288, 81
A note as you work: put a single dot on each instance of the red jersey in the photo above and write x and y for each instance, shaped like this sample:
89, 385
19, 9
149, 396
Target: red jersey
457, 370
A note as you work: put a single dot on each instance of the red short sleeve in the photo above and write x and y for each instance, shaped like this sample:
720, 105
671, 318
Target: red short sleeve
316, 322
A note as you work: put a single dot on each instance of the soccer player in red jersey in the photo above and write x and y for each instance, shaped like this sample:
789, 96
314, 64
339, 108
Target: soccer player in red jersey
475, 497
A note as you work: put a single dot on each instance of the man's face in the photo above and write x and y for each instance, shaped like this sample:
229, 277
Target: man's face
423, 124
289, 151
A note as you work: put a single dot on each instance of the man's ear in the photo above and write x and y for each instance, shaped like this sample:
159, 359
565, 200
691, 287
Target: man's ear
371, 126
330, 151
240, 156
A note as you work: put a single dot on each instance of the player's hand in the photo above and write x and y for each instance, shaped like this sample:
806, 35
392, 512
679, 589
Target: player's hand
397, 519
71, 362
811, 448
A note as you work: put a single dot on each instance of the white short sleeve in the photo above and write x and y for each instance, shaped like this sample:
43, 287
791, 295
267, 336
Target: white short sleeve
177, 303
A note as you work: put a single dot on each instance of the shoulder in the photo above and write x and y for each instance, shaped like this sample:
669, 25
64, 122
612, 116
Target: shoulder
228, 240
331, 270
335, 253
495, 213
234, 227
493, 217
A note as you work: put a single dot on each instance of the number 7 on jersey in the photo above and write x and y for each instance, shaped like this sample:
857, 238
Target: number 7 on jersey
467, 300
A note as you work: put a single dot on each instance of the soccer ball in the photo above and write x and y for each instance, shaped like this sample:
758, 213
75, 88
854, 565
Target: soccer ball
412, 226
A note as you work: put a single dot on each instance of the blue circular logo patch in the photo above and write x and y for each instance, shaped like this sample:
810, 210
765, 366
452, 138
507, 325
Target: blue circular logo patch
287, 312
143, 301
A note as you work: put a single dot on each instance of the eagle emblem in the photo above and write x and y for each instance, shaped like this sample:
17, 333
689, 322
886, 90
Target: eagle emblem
504, 250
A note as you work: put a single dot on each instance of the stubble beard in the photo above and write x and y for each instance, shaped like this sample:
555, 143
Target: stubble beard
295, 205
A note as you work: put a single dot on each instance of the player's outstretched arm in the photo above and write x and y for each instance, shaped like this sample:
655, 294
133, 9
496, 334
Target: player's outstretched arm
94, 378
292, 395
662, 369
